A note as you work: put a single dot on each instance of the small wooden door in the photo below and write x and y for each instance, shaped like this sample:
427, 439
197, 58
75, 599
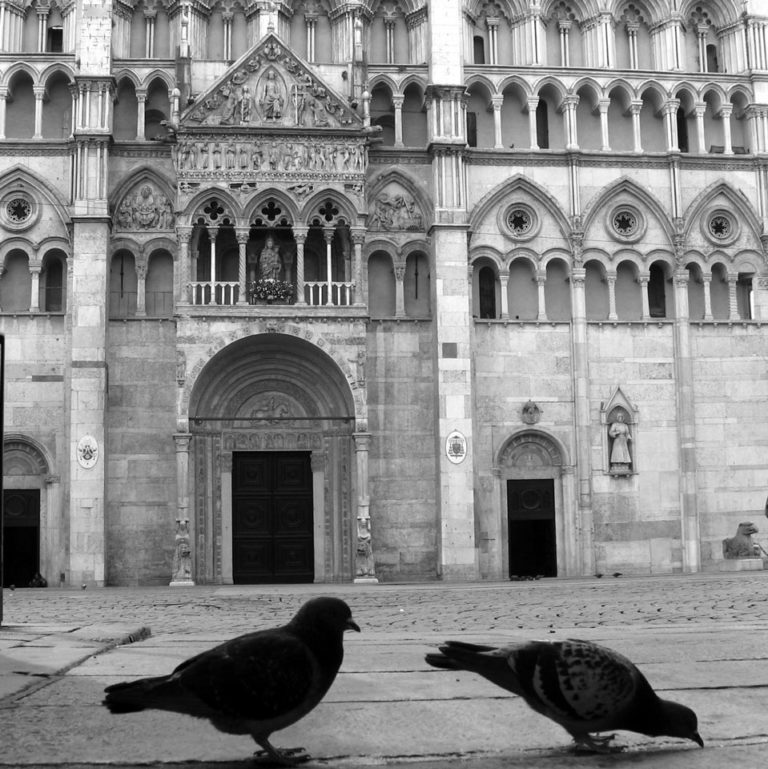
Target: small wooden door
21, 536
531, 519
272, 517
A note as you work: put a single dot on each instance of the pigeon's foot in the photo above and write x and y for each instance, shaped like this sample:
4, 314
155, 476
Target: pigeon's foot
282, 757
596, 743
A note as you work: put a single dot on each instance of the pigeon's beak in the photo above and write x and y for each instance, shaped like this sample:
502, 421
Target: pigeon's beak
696, 737
350, 624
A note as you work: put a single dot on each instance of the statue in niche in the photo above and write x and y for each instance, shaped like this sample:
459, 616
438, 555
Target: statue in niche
618, 432
271, 101
270, 263
742, 546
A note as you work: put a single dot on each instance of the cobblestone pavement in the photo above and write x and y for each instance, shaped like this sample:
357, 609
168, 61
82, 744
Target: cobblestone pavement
443, 607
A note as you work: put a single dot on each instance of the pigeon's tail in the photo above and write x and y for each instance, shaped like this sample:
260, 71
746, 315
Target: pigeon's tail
457, 655
132, 696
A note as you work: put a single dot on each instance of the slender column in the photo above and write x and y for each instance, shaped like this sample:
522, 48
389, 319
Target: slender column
149, 32
242, 234
300, 235
397, 101
725, 116
358, 239
571, 139
604, 105
497, 102
670, 124
635, 108
564, 28
311, 21
493, 44
504, 291
42, 27
733, 308
389, 29
632, 28
612, 298
541, 282
34, 299
700, 108
39, 92
644, 281
400, 289
212, 234
141, 287
328, 235
226, 18
141, 99
701, 35
3, 97
364, 563
183, 568
184, 291
707, 279
533, 102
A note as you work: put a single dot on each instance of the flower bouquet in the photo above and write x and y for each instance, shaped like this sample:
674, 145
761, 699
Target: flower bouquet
270, 290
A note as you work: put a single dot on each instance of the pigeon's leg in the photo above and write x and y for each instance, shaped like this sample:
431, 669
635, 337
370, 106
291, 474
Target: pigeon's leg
596, 743
284, 757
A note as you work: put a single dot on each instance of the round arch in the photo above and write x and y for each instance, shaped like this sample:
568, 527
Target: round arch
267, 404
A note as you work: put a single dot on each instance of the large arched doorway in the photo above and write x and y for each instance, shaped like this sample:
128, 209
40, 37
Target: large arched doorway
537, 507
272, 455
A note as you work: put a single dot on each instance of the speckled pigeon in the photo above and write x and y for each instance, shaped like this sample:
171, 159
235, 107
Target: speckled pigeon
255, 684
584, 687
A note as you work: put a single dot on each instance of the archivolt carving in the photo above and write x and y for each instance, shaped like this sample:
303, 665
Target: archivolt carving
530, 449
23, 458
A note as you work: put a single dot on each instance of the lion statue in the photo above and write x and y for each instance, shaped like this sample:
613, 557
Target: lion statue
742, 546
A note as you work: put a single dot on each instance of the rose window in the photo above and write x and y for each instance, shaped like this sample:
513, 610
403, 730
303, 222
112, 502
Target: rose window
519, 221
625, 223
18, 210
720, 226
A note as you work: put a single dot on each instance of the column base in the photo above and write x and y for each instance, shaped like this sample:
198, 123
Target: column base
181, 583
366, 581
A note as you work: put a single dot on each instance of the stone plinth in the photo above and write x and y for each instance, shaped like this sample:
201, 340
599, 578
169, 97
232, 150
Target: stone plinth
742, 564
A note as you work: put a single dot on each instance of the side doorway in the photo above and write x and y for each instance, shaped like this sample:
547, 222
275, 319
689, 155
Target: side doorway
272, 517
531, 528
21, 536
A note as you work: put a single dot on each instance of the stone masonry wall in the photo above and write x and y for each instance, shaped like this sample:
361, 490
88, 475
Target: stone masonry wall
401, 408
141, 481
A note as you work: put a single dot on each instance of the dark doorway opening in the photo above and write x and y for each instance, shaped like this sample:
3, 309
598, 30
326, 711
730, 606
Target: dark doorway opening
272, 517
531, 527
21, 536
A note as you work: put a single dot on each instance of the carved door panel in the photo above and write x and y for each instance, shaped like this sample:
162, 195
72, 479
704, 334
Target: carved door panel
21, 536
272, 517
531, 527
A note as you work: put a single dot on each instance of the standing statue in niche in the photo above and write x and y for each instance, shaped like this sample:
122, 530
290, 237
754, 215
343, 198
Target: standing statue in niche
270, 263
621, 458
182, 556
271, 99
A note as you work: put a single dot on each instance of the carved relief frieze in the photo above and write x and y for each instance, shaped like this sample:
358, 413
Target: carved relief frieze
269, 87
395, 209
144, 208
239, 159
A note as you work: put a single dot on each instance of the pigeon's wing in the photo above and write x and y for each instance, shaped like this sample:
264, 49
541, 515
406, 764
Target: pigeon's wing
259, 676
576, 682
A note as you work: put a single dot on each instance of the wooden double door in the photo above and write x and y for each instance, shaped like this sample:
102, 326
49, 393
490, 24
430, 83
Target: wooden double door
272, 517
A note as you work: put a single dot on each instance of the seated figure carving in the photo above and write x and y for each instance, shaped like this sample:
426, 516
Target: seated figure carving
742, 546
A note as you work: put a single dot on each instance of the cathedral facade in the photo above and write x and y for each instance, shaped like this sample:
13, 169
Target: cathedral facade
334, 291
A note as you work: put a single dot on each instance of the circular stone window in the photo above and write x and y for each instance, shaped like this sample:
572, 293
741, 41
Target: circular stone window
720, 227
626, 223
521, 222
17, 211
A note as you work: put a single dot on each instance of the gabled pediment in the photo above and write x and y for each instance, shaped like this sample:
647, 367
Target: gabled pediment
270, 87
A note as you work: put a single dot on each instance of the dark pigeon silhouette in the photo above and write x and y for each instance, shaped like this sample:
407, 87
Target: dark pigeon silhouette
255, 684
584, 687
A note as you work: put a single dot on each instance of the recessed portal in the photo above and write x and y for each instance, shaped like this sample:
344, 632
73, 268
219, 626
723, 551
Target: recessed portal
531, 527
272, 520
21, 536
